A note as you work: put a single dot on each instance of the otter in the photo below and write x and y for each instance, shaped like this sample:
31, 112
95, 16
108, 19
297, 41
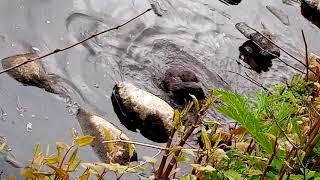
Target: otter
94, 126
258, 52
32, 73
180, 83
139, 109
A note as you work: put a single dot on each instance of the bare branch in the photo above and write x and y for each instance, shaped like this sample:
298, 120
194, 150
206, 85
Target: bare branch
76, 44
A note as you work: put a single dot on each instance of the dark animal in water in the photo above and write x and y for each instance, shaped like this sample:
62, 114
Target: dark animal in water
180, 83
95, 126
139, 109
32, 73
258, 51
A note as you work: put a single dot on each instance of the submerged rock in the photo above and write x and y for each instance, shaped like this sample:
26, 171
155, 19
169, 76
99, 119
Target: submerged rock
180, 83
258, 51
310, 9
279, 14
94, 126
32, 73
138, 109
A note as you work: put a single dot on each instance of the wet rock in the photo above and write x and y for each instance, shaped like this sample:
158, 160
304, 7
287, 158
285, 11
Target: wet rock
94, 126
33, 73
258, 51
231, 2
138, 109
180, 83
310, 9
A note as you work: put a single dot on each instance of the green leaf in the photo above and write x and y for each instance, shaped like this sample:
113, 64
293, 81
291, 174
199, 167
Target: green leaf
176, 118
73, 133
63, 145
150, 160
84, 140
196, 102
52, 160
108, 137
232, 175
60, 172
85, 175
187, 177
73, 156
205, 139
201, 168
131, 149
2, 146
37, 151
74, 165
181, 159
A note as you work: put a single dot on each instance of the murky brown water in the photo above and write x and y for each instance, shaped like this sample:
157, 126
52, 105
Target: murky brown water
195, 33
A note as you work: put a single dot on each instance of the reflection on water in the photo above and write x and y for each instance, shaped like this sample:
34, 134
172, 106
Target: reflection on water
197, 34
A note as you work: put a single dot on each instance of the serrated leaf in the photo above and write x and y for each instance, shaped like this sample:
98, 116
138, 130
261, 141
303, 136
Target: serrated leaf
232, 175
131, 149
181, 159
205, 139
176, 118
196, 102
84, 140
59, 172
108, 137
292, 98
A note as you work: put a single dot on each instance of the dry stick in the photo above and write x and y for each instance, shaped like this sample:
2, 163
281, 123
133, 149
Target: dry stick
165, 156
251, 80
76, 44
181, 143
307, 58
289, 54
281, 60
146, 145
274, 152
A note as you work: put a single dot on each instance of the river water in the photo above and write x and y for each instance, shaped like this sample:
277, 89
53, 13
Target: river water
198, 34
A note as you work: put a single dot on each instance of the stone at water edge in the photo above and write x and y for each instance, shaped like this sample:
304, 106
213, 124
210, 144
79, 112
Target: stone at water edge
32, 73
94, 125
180, 82
258, 51
139, 109
310, 9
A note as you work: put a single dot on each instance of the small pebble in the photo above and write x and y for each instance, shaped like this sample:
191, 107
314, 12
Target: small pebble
96, 85
48, 21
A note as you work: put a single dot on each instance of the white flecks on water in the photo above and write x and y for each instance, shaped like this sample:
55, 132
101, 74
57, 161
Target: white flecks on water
33, 116
48, 21
96, 85
36, 49
29, 127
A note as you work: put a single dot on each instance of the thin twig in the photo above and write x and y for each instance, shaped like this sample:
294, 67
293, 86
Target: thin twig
146, 145
274, 152
307, 58
251, 80
76, 44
